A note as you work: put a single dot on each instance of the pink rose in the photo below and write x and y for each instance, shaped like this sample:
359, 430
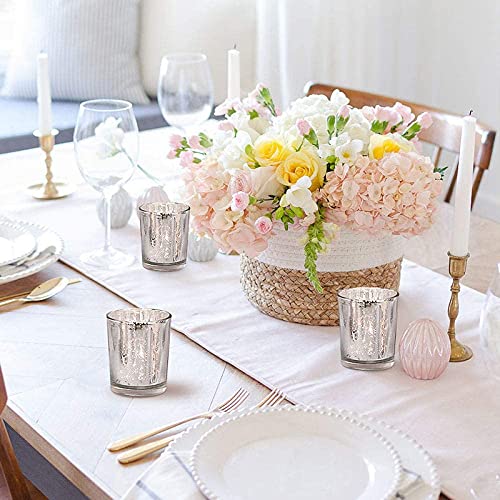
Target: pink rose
303, 126
263, 225
240, 181
240, 201
175, 141
186, 158
425, 120
194, 142
344, 111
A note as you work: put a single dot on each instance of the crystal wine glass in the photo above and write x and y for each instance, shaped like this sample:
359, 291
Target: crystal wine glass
106, 142
487, 485
185, 89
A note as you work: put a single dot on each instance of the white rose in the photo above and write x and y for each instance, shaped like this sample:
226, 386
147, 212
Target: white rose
234, 156
264, 182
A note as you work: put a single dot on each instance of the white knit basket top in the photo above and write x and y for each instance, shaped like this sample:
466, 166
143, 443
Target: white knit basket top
349, 251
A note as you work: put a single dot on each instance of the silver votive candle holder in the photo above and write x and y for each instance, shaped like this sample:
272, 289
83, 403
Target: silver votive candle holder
138, 345
368, 322
164, 235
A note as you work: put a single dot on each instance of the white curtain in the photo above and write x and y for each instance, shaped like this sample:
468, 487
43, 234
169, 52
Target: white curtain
442, 53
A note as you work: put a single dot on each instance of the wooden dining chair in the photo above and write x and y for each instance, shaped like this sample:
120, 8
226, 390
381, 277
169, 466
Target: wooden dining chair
444, 134
18, 486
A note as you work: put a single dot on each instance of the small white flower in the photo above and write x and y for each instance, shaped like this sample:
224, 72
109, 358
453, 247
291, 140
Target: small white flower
300, 196
338, 99
348, 152
109, 137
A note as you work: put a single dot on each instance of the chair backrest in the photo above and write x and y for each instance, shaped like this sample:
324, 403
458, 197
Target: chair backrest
444, 133
16, 482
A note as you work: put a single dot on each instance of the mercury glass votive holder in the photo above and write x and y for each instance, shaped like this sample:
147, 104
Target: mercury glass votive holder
138, 345
368, 322
164, 235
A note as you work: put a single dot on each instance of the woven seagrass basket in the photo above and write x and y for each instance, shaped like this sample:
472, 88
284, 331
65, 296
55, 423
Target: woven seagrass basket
276, 283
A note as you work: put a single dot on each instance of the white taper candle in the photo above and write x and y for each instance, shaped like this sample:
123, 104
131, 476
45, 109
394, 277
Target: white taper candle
233, 74
463, 190
44, 99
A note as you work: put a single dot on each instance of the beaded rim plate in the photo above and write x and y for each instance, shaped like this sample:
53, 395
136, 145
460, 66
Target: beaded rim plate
16, 242
45, 238
288, 452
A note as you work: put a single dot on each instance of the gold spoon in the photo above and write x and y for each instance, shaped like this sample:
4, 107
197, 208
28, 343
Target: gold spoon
43, 291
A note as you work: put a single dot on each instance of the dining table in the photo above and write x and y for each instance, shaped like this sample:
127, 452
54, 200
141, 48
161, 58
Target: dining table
54, 354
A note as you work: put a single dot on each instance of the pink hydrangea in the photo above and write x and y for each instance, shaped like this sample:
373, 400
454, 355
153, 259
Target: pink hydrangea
209, 187
397, 194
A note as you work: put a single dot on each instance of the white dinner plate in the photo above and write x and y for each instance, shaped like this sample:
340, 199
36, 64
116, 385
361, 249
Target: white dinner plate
47, 240
295, 453
16, 242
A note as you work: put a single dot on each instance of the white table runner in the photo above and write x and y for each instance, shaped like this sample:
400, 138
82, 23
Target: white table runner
454, 417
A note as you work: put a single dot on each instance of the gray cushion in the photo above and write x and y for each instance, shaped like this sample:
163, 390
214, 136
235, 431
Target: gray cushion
19, 118
92, 47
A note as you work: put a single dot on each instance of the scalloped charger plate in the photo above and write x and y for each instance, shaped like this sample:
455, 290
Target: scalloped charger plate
16, 242
295, 453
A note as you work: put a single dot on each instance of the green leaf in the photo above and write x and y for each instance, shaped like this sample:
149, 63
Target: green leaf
279, 213
253, 114
330, 123
411, 131
252, 200
249, 151
196, 160
312, 138
205, 141
230, 112
340, 123
440, 171
184, 142
297, 211
379, 127
266, 100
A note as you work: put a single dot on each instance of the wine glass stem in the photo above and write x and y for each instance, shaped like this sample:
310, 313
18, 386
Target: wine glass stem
107, 222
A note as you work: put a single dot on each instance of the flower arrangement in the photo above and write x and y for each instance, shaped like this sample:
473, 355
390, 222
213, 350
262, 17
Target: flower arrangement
319, 166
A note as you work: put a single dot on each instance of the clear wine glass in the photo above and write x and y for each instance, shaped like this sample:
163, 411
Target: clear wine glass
106, 142
185, 89
487, 485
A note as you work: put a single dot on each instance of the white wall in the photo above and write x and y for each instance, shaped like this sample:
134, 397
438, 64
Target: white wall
444, 53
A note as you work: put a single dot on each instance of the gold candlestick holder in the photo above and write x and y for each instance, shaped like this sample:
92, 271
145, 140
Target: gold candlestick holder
457, 268
49, 190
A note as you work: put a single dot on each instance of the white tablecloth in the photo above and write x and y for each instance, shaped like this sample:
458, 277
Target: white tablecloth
455, 417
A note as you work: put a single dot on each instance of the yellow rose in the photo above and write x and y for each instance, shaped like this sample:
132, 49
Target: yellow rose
380, 145
269, 151
300, 164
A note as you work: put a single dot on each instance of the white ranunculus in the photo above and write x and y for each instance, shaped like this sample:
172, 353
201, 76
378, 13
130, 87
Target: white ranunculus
109, 137
299, 195
264, 182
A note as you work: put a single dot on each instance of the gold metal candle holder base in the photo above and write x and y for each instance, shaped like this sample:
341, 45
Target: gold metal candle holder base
457, 268
49, 190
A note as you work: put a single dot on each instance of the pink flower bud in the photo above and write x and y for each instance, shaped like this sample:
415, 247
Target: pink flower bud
194, 142
303, 126
240, 201
263, 225
175, 141
425, 120
226, 125
186, 158
344, 111
172, 154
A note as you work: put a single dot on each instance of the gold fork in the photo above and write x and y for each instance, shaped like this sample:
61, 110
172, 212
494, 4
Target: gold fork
274, 398
233, 402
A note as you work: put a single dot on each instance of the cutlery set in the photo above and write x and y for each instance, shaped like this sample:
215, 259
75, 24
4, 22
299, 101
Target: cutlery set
44, 291
274, 398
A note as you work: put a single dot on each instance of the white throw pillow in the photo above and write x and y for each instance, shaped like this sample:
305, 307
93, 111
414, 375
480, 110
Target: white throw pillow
92, 47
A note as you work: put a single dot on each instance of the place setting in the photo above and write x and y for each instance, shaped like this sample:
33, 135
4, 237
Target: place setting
276, 298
